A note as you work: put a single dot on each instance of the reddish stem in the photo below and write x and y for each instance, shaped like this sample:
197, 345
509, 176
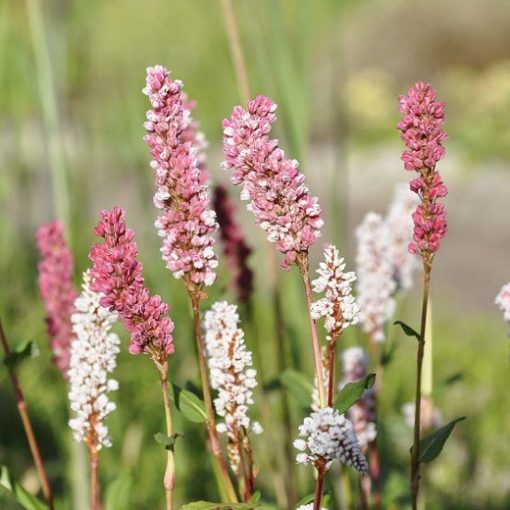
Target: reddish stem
27, 425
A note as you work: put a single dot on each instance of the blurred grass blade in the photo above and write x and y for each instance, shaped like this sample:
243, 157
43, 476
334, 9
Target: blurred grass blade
118, 492
23, 497
48, 97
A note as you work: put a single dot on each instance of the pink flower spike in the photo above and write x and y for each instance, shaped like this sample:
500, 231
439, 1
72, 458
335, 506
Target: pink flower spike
117, 274
503, 301
56, 288
182, 190
422, 133
273, 186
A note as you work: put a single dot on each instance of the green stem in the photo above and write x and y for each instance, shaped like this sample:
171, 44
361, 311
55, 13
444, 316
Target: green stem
169, 478
415, 456
302, 263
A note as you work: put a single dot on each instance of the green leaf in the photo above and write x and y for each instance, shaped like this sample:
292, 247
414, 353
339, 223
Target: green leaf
432, 445
118, 492
306, 500
256, 497
352, 392
188, 404
23, 351
207, 505
167, 441
23, 497
298, 385
408, 330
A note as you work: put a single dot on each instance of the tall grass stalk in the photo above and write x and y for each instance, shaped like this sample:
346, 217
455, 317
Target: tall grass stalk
48, 98
27, 425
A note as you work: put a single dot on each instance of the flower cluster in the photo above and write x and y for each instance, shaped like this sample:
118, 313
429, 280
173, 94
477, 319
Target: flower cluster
56, 288
234, 244
503, 301
422, 133
400, 226
328, 436
375, 276
338, 306
93, 358
230, 373
117, 274
273, 186
362, 414
187, 222
308, 507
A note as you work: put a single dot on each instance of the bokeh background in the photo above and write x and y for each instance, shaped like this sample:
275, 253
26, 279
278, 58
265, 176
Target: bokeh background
71, 114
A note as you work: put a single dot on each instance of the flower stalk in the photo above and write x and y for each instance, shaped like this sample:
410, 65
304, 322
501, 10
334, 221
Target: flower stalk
27, 425
214, 439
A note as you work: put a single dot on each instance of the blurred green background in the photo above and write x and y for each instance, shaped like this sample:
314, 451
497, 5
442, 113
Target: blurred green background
71, 108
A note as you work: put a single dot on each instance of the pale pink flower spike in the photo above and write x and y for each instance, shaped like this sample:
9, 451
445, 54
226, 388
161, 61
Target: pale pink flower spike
56, 288
273, 186
187, 222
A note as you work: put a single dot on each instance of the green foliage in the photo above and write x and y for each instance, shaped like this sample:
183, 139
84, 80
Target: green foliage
408, 330
352, 392
192, 407
22, 496
167, 441
22, 352
432, 445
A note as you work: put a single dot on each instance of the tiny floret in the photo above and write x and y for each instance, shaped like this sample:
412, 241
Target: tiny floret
327, 436
338, 305
93, 357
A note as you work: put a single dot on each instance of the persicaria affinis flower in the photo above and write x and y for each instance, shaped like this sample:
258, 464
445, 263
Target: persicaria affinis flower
187, 222
93, 357
430, 416
56, 288
327, 436
400, 227
338, 305
362, 414
503, 301
117, 274
375, 276
273, 186
235, 247
231, 374
423, 135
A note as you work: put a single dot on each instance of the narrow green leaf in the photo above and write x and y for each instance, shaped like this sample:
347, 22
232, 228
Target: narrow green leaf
23, 351
118, 492
188, 404
167, 441
432, 445
23, 497
352, 392
207, 505
298, 385
306, 500
408, 330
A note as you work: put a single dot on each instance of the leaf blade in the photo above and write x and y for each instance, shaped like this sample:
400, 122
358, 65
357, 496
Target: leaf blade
432, 445
352, 392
